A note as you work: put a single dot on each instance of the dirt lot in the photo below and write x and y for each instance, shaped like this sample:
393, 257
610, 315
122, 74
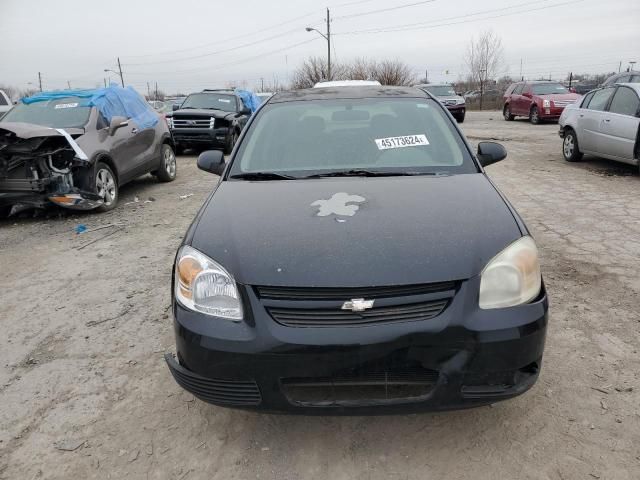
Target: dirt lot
85, 393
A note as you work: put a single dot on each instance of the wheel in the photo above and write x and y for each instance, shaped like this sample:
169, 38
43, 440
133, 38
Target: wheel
460, 118
232, 141
570, 150
168, 165
106, 187
534, 115
506, 112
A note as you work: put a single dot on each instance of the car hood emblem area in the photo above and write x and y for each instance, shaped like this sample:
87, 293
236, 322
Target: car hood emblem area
357, 305
340, 203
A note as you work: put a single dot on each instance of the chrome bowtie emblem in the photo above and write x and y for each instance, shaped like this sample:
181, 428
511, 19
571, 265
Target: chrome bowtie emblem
357, 304
191, 122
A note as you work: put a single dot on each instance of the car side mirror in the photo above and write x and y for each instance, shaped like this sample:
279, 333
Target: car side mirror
116, 123
244, 111
175, 107
212, 161
490, 152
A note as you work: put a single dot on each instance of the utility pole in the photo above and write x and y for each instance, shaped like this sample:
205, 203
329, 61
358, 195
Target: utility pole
521, 77
40, 80
69, 84
481, 86
156, 91
620, 66
148, 91
426, 76
631, 64
105, 82
262, 84
328, 45
570, 78
120, 69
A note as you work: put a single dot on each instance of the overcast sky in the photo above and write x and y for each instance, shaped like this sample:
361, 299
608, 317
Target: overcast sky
186, 45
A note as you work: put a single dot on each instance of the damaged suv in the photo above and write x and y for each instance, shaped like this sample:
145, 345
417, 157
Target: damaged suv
355, 258
75, 149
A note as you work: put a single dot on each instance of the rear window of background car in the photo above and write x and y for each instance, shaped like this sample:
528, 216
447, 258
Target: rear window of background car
339, 134
600, 99
625, 102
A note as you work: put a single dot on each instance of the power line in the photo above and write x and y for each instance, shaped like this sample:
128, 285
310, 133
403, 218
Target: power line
429, 25
381, 10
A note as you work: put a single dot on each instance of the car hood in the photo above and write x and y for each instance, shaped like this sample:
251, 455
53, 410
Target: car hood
406, 230
30, 130
204, 112
561, 96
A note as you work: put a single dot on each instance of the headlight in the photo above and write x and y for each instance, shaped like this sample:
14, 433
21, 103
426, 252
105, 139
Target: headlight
170, 122
460, 101
546, 103
512, 277
204, 286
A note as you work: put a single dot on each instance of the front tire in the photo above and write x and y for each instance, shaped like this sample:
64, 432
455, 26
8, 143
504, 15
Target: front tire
233, 138
570, 150
168, 165
534, 115
506, 113
460, 118
106, 187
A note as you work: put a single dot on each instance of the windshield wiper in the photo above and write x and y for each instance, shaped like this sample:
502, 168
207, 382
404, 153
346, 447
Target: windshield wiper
262, 176
369, 173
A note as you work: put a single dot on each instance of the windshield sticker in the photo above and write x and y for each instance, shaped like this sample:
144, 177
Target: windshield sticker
339, 204
401, 142
224, 100
66, 105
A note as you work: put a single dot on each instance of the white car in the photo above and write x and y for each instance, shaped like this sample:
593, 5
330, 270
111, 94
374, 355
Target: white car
347, 83
5, 103
606, 123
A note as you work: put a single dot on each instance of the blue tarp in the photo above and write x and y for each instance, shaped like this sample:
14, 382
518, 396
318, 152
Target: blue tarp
250, 99
112, 101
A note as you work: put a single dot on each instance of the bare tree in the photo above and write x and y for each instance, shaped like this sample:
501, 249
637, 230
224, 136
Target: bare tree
484, 58
394, 72
387, 72
314, 70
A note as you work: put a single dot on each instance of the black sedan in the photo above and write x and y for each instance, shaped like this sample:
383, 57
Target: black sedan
355, 258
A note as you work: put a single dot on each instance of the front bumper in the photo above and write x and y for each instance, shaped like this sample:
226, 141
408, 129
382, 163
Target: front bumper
457, 109
213, 137
462, 358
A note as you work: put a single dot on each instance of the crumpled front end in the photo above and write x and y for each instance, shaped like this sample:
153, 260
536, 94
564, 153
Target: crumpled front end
46, 168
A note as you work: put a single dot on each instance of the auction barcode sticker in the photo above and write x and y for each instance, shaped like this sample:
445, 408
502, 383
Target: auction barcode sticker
65, 105
401, 142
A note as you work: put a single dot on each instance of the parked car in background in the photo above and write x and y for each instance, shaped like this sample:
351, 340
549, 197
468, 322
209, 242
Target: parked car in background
5, 103
446, 94
606, 123
76, 148
622, 77
539, 100
355, 258
208, 119
582, 88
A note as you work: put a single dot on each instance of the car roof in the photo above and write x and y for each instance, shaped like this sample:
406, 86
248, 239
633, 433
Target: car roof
352, 92
634, 86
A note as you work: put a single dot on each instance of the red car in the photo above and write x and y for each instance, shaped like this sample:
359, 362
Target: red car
539, 101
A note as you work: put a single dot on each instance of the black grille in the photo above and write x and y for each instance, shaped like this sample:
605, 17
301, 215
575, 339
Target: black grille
361, 388
342, 294
312, 317
218, 391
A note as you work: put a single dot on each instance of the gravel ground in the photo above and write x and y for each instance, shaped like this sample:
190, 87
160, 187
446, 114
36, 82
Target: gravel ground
84, 392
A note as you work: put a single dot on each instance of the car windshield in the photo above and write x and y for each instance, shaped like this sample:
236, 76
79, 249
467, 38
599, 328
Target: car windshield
549, 89
346, 136
215, 101
67, 112
441, 90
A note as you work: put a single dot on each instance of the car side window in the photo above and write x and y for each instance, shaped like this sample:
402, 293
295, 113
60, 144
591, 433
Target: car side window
625, 102
586, 100
526, 89
518, 89
600, 99
634, 79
